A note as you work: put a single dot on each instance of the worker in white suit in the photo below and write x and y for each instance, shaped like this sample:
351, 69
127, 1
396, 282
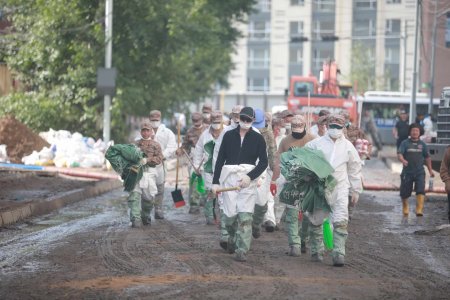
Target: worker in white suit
344, 158
166, 139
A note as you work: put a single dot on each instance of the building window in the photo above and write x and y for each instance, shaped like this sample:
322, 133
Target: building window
258, 58
393, 1
325, 28
263, 5
393, 27
392, 55
295, 55
366, 4
259, 30
297, 2
324, 5
364, 28
258, 84
296, 29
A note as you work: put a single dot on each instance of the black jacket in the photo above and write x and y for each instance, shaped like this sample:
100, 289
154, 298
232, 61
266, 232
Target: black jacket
232, 153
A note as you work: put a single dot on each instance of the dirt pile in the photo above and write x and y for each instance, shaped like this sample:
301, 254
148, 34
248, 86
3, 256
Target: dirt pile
19, 139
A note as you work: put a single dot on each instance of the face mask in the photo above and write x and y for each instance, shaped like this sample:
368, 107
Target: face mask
206, 115
298, 135
288, 126
335, 133
245, 125
216, 126
155, 124
282, 131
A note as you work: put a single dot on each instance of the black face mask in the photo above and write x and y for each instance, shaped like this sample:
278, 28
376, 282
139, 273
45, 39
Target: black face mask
298, 135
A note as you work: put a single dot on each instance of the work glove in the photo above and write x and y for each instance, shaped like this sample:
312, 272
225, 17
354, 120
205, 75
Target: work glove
273, 188
143, 161
214, 189
355, 198
179, 152
260, 182
244, 182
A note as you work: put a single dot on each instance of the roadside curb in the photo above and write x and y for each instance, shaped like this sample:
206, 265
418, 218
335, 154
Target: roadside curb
44, 206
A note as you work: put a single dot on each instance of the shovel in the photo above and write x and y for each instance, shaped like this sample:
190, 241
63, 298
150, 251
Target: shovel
200, 181
177, 196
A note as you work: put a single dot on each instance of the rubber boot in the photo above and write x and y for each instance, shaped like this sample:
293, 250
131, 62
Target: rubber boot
405, 207
419, 205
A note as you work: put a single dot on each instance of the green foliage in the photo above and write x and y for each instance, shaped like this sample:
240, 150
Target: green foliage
167, 53
363, 70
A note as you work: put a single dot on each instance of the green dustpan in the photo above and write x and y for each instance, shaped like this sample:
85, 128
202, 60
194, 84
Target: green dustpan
327, 235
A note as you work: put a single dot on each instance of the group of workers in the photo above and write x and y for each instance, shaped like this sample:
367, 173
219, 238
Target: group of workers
239, 166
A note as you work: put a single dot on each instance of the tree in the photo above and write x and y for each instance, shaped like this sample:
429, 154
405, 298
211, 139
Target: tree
167, 53
363, 70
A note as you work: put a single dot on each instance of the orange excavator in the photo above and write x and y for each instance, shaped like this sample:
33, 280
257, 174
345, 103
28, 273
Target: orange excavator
310, 95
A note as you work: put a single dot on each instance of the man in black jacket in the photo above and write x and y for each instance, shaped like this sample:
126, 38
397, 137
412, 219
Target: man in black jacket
242, 159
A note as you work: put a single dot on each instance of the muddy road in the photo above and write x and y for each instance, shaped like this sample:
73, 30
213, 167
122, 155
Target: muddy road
88, 250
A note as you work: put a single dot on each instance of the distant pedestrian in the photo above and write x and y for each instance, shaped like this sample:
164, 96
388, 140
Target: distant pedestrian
401, 129
445, 176
412, 153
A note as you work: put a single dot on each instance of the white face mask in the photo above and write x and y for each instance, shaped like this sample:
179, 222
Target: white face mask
288, 126
206, 115
155, 124
216, 126
245, 125
335, 133
282, 131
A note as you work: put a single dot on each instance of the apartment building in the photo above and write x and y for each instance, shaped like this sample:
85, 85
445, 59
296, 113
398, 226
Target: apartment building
293, 37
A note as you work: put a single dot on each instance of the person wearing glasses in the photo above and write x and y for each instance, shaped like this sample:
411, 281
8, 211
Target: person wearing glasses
296, 139
241, 160
344, 158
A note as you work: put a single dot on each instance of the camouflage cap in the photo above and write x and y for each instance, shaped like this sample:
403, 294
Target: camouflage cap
324, 112
287, 113
155, 114
345, 114
298, 120
237, 109
268, 117
336, 119
207, 107
216, 116
146, 125
196, 117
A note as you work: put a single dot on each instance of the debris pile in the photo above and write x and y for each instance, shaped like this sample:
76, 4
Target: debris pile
19, 139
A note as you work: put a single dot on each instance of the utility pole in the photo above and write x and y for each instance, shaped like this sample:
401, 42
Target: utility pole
405, 37
433, 50
412, 109
108, 63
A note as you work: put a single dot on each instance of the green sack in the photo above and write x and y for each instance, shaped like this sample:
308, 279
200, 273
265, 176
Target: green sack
200, 183
125, 160
209, 149
327, 235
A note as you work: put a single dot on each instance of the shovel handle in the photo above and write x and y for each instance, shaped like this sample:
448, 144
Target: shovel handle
192, 163
228, 189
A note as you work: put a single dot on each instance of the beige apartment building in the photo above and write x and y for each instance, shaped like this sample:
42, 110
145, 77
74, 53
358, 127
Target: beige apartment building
293, 37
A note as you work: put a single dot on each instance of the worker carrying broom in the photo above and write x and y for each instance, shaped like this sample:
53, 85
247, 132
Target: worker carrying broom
141, 199
236, 167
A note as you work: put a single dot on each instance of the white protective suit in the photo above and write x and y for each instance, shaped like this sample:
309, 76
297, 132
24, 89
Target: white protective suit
200, 153
165, 137
345, 160
147, 185
234, 202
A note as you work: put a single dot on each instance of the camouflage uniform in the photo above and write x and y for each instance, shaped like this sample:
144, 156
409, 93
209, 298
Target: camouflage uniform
141, 199
189, 142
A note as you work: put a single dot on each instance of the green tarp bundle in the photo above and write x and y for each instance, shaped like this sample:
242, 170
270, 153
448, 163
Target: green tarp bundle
308, 176
125, 160
209, 148
200, 182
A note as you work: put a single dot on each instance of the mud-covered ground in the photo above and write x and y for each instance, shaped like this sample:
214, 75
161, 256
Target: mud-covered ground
88, 250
